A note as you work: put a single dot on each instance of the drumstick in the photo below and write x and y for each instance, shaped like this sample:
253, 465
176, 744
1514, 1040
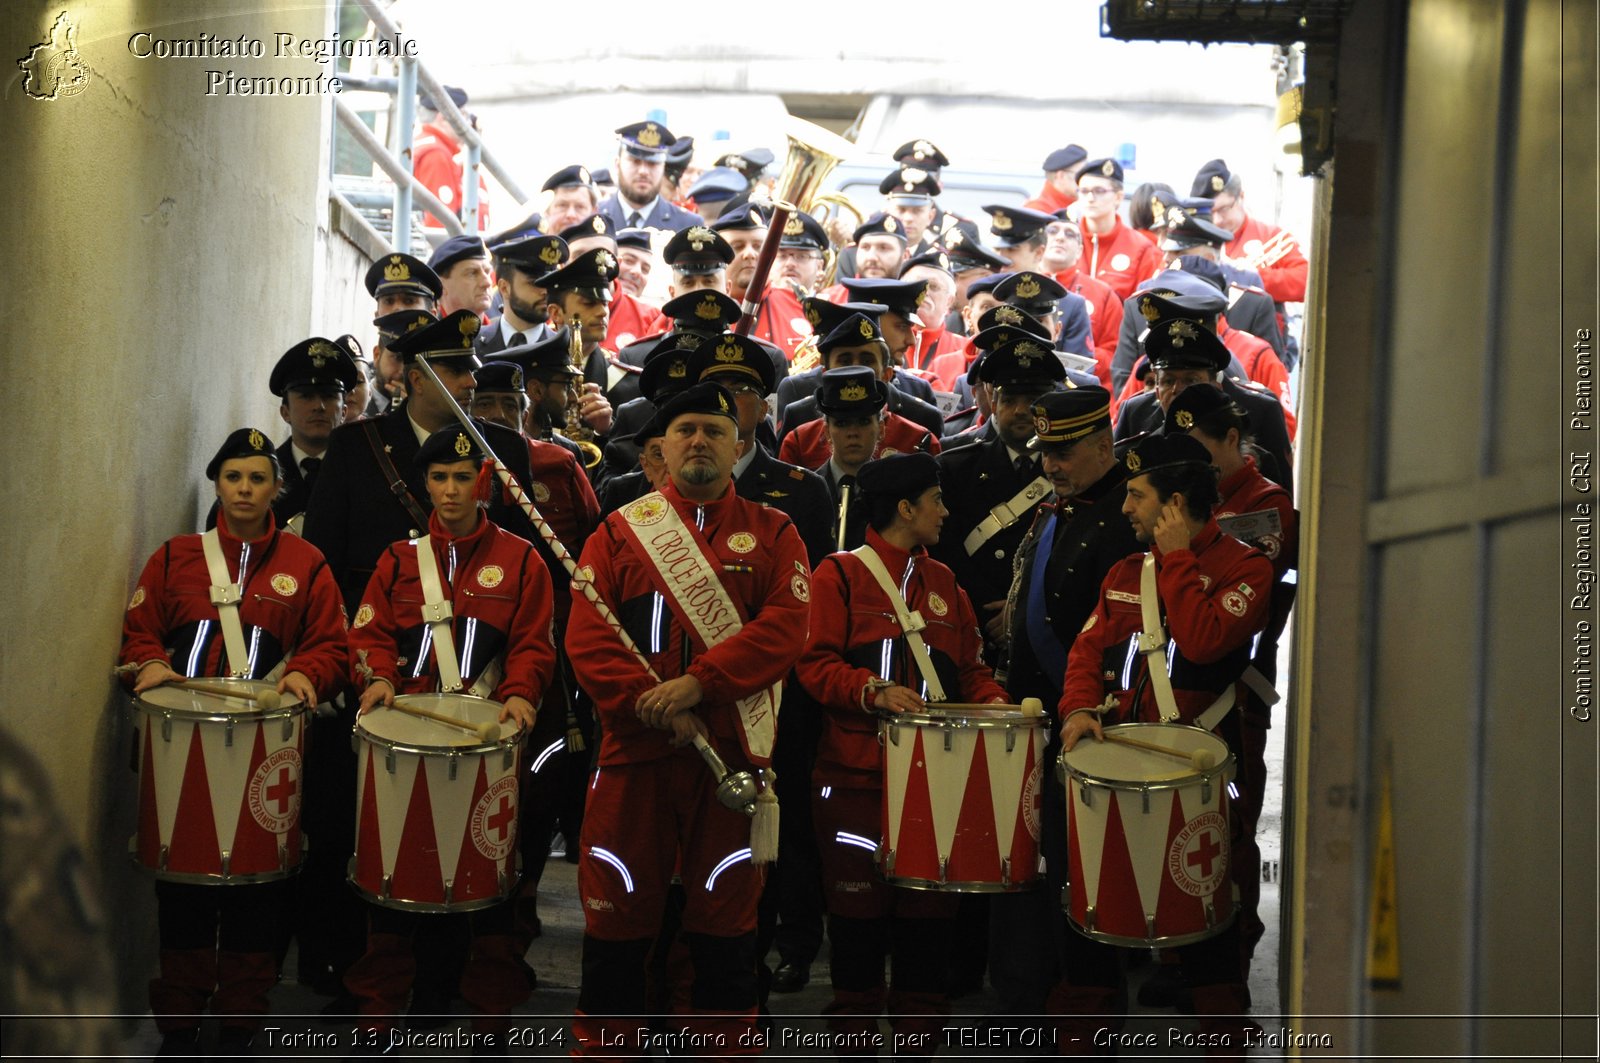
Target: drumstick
1029, 706
1200, 759
267, 699
485, 731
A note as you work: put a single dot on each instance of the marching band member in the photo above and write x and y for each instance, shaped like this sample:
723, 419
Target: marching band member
780, 320
715, 592
1114, 253
852, 401
1214, 593
218, 943
861, 662
1262, 246
501, 606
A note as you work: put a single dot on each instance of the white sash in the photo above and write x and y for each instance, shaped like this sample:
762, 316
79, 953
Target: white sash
1153, 644
1006, 514
911, 621
225, 595
695, 583
436, 613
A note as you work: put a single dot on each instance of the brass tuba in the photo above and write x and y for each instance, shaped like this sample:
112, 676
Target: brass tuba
813, 153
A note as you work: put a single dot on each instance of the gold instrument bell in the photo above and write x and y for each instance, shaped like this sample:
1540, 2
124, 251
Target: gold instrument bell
577, 431
813, 154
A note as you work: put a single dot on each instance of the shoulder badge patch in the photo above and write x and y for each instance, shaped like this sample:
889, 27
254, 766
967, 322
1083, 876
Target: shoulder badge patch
137, 600
801, 588
1089, 623
364, 615
541, 493
1234, 603
937, 605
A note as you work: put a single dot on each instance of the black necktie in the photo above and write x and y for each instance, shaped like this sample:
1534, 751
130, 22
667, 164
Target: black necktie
308, 469
1025, 466
634, 219
517, 340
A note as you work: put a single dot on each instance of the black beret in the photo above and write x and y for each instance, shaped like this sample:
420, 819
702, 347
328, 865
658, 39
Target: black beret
398, 272
899, 476
446, 447
921, 153
744, 216
1108, 167
638, 239
533, 255
851, 390
935, 259
243, 443
1210, 179
1194, 404
707, 397
854, 331
454, 250
499, 376
646, 140
315, 362
1181, 343
401, 322
697, 250
1061, 418
591, 273
448, 339
1158, 451
568, 177
1064, 158
703, 310
880, 222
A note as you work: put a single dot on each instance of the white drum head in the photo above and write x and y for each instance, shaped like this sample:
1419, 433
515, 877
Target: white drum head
403, 729
1117, 763
176, 699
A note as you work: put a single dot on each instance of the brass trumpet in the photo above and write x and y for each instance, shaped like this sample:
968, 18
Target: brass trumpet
1272, 251
577, 431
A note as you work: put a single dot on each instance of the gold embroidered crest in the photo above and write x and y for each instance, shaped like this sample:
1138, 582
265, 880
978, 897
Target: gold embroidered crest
1027, 288
678, 369
463, 444
937, 605
285, 584
257, 441
605, 261
1217, 183
320, 352
599, 226
891, 225
741, 542
707, 310
1108, 168
1008, 314
1001, 222
364, 615
469, 328
649, 136
728, 351
700, 238
794, 226
490, 576
722, 401
853, 393
1133, 461
550, 255
1180, 331
137, 600
1185, 420
396, 270
866, 329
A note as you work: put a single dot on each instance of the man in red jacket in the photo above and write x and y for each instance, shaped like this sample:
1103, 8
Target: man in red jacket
1271, 251
1113, 252
715, 592
437, 159
1062, 253
1214, 592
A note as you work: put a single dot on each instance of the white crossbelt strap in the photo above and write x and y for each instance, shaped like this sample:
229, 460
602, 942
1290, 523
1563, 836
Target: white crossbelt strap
225, 595
436, 613
696, 587
1153, 644
844, 511
1006, 514
911, 621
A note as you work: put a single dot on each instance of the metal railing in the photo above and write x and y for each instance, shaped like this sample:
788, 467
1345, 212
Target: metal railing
396, 162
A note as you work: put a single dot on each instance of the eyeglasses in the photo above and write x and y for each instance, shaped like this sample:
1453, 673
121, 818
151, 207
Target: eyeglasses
1095, 193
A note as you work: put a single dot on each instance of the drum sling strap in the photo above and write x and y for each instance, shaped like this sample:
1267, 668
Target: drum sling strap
1153, 644
439, 617
226, 595
1006, 514
911, 621
397, 483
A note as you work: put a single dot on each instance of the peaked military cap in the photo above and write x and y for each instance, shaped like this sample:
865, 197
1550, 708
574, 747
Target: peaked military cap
750, 163
853, 331
646, 140
851, 390
1009, 316
401, 322
456, 249
1210, 179
825, 316
1015, 225
717, 184
312, 363
678, 157
638, 239
551, 355
935, 259
593, 225
1063, 158
744, 216
803, 231
704, 310
911, 183
922, 153
1028, 360
1188, 224
1037, 293
398, 272
987, 284
499, 376
568, 177
880, 222
730, 359
1108, 168
1182, 343
447, 339
967, 253
670, 368
533, 255
895, 296
1179, 293
1061, 418
697, 250
590, 273
243, 443
1194, 404
1159, 451
897, 476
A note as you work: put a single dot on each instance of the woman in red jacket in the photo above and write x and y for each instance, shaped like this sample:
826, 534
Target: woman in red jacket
218, 941
499, 595
857, 665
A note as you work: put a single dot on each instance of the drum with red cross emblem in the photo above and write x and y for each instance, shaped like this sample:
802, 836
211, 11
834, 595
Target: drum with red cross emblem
961, 799
219, 784
436, 806
1148, 836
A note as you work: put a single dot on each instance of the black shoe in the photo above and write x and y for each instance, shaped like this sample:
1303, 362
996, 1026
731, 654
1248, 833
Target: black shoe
185, 1042
235, 1041
790, 977
1163, 988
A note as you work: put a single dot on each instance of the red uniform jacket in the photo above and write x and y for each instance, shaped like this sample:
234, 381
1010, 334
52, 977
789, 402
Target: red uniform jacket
932, 343
1049, 200
855, 640
565, 499
1262, 365
809, 448
781, 321
434, 163
1215, 596
1285, 279
290, 606
766, 574
631, 320
500, 599
836, 293
1121, 258
947, 369
1105, 317
1247, 491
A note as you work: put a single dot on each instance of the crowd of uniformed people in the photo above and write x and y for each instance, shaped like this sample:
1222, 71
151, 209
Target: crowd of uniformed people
926, 467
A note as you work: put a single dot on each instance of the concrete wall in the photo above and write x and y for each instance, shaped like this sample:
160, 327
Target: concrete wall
165, 248
1434, 648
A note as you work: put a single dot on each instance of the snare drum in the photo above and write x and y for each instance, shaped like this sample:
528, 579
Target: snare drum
219, 785
1148, 837
436, 807
961, 799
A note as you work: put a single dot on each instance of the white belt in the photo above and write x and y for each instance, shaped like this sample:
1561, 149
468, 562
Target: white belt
1006, 514
1153, 644
911, 621
436, 613
226, 595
